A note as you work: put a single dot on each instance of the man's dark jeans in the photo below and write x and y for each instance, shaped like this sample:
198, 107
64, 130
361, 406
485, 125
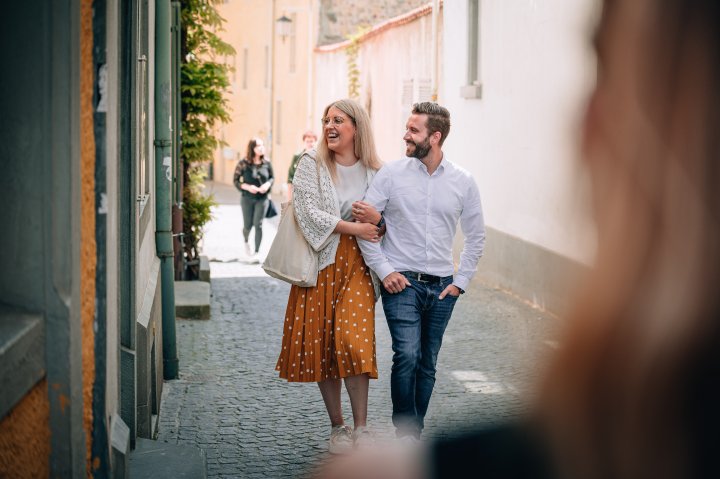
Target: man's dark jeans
417, 319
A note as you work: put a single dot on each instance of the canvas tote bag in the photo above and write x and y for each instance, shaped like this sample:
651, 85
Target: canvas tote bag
291, 258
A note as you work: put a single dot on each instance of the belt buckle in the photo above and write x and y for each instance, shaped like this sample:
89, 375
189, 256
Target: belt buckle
420, 278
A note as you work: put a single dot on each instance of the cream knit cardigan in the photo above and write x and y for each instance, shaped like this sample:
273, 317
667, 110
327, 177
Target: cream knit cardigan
317, 210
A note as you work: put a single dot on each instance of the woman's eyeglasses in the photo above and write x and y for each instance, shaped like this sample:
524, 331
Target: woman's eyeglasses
336, 121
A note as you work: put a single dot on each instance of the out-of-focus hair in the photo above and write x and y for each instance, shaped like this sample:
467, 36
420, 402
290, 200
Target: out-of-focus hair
364, 142
251, 150
635, 389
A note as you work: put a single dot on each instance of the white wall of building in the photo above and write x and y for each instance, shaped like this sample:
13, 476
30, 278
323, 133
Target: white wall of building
520, 139
389, 62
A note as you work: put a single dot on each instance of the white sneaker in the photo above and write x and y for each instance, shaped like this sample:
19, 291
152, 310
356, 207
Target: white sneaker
362, 437
248, 250
408, 441
341, 440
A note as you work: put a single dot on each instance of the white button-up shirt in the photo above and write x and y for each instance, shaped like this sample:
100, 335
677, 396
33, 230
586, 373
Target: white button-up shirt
421, 212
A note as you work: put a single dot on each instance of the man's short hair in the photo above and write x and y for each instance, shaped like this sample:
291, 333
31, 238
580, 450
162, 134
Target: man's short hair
438, 118
309, 133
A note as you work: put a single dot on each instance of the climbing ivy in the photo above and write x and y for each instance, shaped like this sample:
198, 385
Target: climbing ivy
203, 83
353, 70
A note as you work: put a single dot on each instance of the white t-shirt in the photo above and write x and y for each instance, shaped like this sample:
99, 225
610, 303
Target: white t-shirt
351, 186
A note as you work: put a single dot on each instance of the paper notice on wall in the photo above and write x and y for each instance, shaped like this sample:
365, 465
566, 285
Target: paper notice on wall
167, 163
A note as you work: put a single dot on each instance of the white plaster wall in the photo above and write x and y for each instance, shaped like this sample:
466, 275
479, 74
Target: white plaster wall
384, 61
520, 139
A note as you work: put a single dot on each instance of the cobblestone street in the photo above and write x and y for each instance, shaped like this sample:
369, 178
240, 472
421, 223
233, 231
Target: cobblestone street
230, 402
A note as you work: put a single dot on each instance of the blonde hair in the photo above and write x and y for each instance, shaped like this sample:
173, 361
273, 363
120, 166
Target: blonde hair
364, 142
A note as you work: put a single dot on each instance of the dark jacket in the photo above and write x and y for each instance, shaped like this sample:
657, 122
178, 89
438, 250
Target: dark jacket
246, 172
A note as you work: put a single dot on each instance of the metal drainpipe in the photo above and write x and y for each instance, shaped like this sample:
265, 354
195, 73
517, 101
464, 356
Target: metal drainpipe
435, 48
177, 209
163, 184
269, 144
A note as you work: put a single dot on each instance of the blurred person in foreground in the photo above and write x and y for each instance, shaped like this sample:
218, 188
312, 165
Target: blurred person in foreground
309, 138
635, 387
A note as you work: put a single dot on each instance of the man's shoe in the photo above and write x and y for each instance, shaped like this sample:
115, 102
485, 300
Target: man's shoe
362, 437
341, 440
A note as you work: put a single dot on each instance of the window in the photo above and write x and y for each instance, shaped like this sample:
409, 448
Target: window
267, 67
414, 90
278, 119
245, 68
234, 71
472, 88
293, 42
141, 127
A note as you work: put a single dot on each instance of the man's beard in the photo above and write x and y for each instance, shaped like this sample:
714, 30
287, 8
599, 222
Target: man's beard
421, 149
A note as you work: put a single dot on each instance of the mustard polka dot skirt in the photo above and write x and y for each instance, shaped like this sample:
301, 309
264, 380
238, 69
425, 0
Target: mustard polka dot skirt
329, 330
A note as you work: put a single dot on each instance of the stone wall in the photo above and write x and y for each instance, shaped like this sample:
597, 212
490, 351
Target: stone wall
340, 18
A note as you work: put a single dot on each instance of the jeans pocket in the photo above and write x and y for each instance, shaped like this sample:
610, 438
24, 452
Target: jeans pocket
450, 297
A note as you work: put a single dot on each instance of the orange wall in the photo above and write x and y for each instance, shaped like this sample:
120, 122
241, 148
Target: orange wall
25, 432
87, 223
25, 436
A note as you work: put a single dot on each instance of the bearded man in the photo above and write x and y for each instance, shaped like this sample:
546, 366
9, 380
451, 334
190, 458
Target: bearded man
422, 199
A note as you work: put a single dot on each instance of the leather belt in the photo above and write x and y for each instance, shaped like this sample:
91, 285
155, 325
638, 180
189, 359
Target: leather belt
422, 277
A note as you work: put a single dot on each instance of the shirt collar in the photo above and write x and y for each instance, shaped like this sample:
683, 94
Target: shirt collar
440, 169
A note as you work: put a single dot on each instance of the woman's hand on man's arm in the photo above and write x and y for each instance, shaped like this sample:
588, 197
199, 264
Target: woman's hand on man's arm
365, 231
365, 213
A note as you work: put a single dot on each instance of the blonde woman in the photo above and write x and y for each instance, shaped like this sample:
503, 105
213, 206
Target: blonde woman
329, 329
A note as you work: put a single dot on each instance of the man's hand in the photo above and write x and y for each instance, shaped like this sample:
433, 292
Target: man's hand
452, 290
364, 213
395, 282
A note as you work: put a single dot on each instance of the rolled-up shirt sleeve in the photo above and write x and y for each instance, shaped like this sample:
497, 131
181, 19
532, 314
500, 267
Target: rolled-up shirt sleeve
377, 195
472, 224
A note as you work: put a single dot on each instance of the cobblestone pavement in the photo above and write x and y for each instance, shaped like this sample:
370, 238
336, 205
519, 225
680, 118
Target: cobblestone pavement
230, 402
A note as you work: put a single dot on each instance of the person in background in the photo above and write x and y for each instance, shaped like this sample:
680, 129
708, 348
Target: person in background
633, 390
329, 329
309, 138
253, 177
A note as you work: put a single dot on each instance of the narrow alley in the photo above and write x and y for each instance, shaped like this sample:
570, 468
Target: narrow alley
251, 424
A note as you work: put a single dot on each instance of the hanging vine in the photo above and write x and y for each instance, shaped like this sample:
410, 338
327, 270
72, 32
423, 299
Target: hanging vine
204, 81
353, 70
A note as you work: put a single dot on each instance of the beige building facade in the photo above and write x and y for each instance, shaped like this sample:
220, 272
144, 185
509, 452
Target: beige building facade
281, 81
271, 92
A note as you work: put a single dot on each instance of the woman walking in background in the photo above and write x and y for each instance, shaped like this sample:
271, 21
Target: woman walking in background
253, 177
329, 329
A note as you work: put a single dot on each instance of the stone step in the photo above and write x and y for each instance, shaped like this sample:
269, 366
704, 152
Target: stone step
159, 460
192, 299
204, 269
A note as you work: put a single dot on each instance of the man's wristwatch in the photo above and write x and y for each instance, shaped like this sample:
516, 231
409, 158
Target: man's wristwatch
381, 223
462, 291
